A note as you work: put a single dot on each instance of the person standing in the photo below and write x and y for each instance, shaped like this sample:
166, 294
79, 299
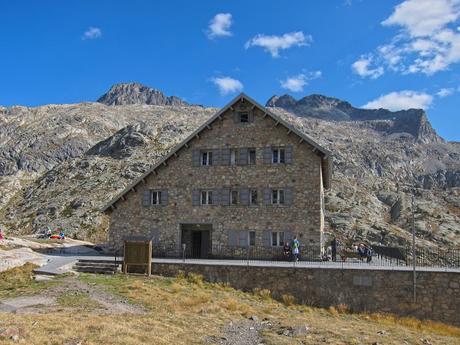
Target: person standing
334, 249
295, 248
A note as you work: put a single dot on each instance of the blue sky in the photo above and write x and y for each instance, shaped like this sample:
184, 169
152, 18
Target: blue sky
395, 54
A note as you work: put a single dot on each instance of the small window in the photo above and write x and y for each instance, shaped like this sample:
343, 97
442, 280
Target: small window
278, 197
251, 156
206, 158
155, 197
253, 197
252, 238
277, 238
234, 197
278, 156
233, 155
244, 117
206, 197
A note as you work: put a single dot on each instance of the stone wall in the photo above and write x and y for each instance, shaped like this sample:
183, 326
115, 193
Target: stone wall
389, 291
179, 177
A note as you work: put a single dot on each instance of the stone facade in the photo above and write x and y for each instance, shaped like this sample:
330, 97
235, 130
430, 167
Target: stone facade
361, 290
180, 179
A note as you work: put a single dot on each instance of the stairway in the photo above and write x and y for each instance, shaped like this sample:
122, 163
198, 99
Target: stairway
97, 266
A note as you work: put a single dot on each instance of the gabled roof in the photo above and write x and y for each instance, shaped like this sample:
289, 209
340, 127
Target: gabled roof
324, 153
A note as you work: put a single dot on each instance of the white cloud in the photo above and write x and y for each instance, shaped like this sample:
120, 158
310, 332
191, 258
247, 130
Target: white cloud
273, 44
92, 33
298, 82
362, 68
423, 17
428, 40
405, 99
227, 85
219, 26
444, 92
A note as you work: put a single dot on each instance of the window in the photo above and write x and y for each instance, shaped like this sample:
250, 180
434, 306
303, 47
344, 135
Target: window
206, 197
206, 158
278, 197
277, 238
234, 197
253, 197
252, 156
244, 117
278, 156
252, 238
233, 155
155, 197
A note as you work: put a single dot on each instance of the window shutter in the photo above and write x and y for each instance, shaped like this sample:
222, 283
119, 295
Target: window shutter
243, 156
225, 157
232, 240
216, 196
267, 238
164, 197
288, 154
243, 238
146, 198
236, 117
225, 197
288, 196
244, 196
267, 155
288, 236
196, 158
267, 196
251, 116
216, 157
196, 197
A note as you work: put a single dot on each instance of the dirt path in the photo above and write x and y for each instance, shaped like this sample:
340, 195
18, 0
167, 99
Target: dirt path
48, 300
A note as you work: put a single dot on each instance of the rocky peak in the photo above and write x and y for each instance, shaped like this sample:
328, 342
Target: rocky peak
136, 93
411, 121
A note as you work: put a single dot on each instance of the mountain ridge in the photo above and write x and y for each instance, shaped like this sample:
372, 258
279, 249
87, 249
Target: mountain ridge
59, 164
412, 121
137, 93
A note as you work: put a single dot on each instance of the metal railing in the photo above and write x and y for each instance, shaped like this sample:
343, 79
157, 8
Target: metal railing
379, 256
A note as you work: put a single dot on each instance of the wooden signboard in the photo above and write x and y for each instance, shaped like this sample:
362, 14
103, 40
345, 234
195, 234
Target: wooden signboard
137, 254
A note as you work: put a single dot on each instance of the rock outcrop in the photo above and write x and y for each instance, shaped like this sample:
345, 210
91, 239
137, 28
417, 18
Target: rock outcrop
135, 93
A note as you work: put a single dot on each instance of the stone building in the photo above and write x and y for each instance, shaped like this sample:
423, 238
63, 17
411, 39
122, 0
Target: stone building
245, 180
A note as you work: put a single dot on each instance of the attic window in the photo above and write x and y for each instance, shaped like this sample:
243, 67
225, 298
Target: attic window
244, 117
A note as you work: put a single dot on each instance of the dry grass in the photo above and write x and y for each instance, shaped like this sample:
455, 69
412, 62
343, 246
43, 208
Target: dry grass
185, 310
77, 299
19, 281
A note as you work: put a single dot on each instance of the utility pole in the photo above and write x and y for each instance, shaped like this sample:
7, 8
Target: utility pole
414, 255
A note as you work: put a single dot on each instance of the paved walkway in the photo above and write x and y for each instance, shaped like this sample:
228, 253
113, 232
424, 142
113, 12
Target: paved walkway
57, 265
57, 262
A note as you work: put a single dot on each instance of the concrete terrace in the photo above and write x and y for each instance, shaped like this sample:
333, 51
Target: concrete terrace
62, 263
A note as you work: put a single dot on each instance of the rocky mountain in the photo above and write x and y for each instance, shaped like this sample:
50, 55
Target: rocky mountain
59, 164
412, 121
135, 93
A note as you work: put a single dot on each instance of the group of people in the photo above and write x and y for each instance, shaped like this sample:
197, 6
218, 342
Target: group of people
291, 250
60, 236
361, 249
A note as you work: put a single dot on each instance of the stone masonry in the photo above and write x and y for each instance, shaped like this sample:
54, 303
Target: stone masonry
361, 290
179, 179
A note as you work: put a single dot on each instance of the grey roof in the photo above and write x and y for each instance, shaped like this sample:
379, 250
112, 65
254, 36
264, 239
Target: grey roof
326, 154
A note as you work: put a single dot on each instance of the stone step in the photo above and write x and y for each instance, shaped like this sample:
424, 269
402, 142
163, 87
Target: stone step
92, 269
96, 264
118, 262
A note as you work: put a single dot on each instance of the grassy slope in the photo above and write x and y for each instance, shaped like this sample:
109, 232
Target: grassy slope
187, 310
